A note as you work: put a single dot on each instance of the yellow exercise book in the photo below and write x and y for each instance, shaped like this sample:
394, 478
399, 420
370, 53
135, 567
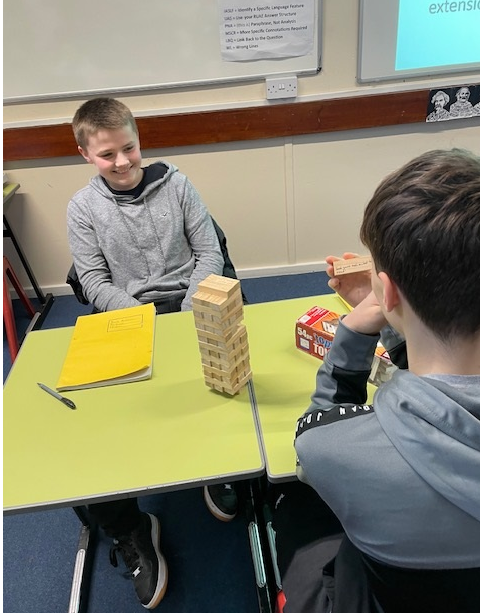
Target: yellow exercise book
110, 348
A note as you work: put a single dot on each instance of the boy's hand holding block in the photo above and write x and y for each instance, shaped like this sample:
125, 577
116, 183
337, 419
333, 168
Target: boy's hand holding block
345, 267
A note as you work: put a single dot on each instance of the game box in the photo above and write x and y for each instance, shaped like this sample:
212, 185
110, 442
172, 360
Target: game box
314, 333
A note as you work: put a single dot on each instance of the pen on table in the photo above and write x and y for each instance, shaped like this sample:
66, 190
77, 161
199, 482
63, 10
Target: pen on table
66, 401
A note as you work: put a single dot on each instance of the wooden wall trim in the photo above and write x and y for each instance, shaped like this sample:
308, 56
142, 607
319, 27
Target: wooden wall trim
251, 123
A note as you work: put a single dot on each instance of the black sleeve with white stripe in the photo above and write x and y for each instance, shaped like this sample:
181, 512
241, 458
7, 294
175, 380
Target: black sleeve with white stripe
343, 376
338, 412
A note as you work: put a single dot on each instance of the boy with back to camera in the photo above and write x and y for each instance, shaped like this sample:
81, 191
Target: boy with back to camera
403, 474
138, 235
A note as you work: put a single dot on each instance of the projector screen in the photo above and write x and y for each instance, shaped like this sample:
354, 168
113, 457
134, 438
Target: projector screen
405, 38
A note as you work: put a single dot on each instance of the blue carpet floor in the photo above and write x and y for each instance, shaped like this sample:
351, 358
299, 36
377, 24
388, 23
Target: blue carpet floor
209, 561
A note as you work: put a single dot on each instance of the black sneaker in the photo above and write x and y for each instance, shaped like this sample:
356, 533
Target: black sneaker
221, 500
142, 556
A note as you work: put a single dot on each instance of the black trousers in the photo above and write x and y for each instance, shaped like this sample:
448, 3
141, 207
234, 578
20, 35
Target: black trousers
321, 570
117, 518
170, 303
308, 536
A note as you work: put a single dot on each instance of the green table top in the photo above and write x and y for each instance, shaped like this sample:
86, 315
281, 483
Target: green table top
283, 376
9, 190
169, 432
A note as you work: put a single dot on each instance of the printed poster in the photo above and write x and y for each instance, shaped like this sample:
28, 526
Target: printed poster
255, 30
449, 103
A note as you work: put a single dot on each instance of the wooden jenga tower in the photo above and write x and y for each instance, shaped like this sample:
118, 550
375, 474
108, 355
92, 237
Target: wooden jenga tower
222, 338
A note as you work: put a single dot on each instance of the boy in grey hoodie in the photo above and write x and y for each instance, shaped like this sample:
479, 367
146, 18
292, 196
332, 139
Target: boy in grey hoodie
138, 235
402, 474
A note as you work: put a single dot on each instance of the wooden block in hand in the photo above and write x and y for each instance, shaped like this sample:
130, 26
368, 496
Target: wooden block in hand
345, 267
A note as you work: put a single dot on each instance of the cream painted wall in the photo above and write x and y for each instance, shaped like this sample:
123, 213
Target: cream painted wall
284, 203
336, 78
335, 176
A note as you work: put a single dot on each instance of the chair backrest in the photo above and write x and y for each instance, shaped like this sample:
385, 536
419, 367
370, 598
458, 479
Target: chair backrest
73, 281
228, 268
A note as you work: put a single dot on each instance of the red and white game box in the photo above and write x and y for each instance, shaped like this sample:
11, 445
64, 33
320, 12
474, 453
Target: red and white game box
314, 334
314, 331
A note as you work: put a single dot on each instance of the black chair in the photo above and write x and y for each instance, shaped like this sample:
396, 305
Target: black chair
228, 268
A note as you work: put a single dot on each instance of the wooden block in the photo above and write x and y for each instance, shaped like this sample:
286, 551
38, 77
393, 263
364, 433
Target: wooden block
217, 361
219, 355
240, 351
217, 308
209, 352
217, 373
345, 267
239, 384
220, 343
224, 342
234, 370
211, 310
224, 329
244, 380
226, 364
216, 332
223, 287
222, 319
224, 389
203, 300
227, 387
221, 352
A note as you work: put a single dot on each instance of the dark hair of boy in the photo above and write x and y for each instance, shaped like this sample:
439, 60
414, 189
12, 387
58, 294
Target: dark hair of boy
422, 227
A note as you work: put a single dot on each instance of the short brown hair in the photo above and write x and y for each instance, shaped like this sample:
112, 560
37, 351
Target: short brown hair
100, 114
422, 227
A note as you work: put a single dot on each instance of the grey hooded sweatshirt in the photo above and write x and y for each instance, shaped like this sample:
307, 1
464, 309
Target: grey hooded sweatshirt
128, 251
402, 474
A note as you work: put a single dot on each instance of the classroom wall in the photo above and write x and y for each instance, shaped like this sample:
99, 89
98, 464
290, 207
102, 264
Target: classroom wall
284, 203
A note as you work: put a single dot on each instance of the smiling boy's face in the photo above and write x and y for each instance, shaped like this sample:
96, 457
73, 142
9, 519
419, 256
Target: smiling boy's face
117, 156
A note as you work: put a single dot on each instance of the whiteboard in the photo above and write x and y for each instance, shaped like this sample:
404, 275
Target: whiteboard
399, 39
60, 49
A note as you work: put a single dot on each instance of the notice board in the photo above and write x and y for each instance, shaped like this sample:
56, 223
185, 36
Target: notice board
57, 49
